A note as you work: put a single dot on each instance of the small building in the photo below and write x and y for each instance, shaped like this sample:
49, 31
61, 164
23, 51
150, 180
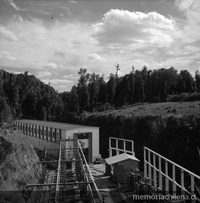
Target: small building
122, 164
45, 134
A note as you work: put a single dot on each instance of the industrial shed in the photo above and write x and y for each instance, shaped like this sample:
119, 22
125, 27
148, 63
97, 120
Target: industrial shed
45, 134
122, 164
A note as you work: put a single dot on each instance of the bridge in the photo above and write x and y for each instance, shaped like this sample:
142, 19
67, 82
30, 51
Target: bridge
70, 181
67, 176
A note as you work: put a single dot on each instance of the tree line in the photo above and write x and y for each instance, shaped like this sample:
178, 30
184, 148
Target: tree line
25, 96
93, 93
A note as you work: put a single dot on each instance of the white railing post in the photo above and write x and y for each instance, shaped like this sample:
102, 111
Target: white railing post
192, 187
110, 150
145, 164
170, 178
166, 178
58, 174
149, 164
133, 148
160, 174
174, 179
154, 172
117, 147
122, 149
182, 183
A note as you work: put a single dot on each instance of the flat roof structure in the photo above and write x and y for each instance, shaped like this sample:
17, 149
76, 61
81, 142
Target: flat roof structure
47, 134
119, 158
63, 126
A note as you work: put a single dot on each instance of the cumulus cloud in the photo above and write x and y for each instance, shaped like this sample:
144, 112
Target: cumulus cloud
131, 38
122, 27
52, 65
36, 20
60, 54
96, 58
183, 4
45, 43
11, 2
7, 55
43, 74
72, 76
55, 81
190, 8
61, 86
7, 34
17, 18
190, 26
73, 2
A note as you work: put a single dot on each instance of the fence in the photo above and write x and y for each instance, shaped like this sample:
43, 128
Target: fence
167, 176
119, 145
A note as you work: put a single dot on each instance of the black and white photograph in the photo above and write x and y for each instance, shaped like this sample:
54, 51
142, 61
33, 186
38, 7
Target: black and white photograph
99, 101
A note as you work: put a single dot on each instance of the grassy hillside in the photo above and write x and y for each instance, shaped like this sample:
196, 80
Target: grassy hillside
171, 129
18, 165
154, 109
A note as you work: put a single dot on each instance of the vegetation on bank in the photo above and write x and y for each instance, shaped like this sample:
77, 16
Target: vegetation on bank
184, 97
18, 165
171, 129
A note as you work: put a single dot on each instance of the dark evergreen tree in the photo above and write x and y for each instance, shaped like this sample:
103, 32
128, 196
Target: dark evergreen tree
73, 105
124, 89
102, 91
131, 85
148, 88
111, 89
197, 80
5, 111
94, 87
185, 82
83, 89
139, 95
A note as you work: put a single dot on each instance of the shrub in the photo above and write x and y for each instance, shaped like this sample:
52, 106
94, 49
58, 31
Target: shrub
5, 149
5, 112
184, 97
193, 97
105, 107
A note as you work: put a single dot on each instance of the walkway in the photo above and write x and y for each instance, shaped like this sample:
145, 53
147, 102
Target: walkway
107, 189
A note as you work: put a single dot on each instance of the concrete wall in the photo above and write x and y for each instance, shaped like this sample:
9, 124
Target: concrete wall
41, 144
42, 136
39, 137
95, 138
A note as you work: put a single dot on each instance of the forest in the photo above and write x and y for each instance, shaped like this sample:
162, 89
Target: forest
25, 96
127, 107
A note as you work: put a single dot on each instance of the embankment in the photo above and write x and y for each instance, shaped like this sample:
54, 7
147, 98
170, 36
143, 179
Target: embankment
18, 165
173, 134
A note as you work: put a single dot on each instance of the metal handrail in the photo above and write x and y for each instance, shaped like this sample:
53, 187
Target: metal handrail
154, 172
117, 149
88, 169
58, 174
168, 160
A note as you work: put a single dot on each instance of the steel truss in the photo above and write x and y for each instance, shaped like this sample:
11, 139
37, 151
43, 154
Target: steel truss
72, 181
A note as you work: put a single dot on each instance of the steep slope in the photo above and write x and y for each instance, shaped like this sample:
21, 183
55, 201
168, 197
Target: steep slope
18, 165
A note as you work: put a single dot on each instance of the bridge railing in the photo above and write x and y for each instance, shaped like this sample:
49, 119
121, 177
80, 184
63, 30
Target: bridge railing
92, 188
116, 148
169, 177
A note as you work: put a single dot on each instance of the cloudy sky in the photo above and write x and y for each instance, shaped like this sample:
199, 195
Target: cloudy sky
53, 39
